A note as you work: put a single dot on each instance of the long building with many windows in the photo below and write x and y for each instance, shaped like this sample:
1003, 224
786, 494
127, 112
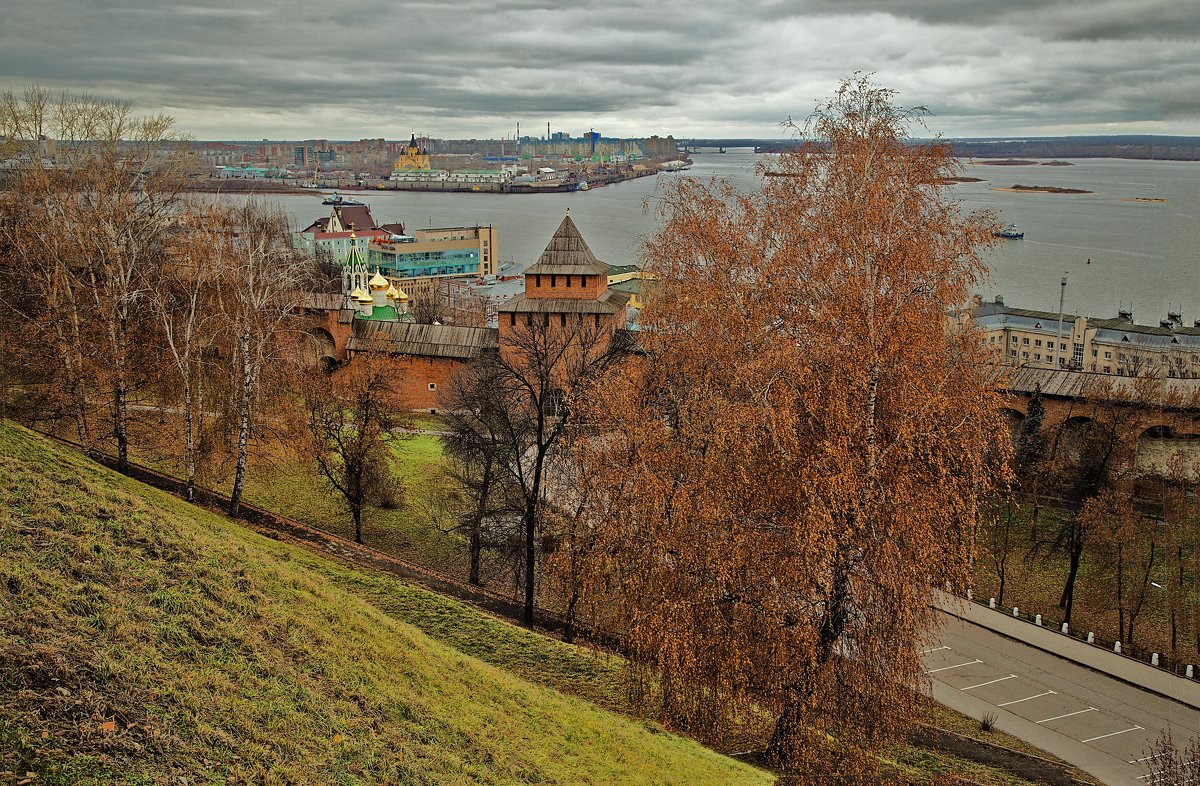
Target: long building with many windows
1024, 337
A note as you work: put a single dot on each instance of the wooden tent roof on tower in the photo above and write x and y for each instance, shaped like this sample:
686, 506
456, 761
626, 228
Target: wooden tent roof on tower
567, 253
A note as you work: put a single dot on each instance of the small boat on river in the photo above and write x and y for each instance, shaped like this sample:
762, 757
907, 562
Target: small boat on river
1010, 232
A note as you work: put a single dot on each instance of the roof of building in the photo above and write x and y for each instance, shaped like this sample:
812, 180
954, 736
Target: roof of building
634, 286
382, 313
567, 253
320, 225
355, 216
620, 270
322, 301
1109, 330
611, 302
406, 338
1076, 384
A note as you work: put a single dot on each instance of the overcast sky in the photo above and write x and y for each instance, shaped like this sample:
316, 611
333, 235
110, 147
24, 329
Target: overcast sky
345, 69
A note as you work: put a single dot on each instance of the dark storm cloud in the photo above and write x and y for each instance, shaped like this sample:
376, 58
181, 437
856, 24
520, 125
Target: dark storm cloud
470, 67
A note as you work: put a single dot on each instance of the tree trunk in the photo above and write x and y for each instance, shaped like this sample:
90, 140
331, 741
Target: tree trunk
531, 505
1121, 595
120, 394
239, 475
530, 556
789, 725
1067, 602
475, 547
189, 440
476, 534
356, 512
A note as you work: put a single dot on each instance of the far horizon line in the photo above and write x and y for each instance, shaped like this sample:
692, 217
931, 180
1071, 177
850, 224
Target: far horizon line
699, 140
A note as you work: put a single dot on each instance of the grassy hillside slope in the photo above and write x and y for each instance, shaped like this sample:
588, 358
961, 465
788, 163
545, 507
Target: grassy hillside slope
144, 641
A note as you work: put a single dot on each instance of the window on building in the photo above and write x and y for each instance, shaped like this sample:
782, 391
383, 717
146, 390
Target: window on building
553, 280
563, 319
1025, 355
1095, 353
433, 386
1062, 346
1037, 342
1108, 369
1108, 356
1012, 352
1037, 356
512, 318
1025, 341
568, 281
537, 280
1014, 339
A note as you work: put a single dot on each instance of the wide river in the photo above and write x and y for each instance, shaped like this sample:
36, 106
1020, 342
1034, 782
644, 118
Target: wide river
1144, 254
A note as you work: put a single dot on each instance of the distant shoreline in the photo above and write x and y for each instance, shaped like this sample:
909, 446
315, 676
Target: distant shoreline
1144, 200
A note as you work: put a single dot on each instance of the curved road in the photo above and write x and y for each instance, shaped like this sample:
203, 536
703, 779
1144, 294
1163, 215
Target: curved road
1099, 724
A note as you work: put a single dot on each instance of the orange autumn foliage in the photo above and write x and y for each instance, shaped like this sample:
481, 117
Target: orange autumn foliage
799, 454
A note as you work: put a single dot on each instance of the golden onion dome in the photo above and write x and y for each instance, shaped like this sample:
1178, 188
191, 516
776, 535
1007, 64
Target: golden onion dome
392, 293
400, 295
378, 282
358, 294
364, 298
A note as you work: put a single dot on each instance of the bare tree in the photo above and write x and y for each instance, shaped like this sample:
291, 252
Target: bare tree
475, 443
351, 415
265, 281
1172, 764
530, 387
185, 306
104, 185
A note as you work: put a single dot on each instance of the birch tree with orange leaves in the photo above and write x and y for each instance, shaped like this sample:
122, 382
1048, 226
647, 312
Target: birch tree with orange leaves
799, 454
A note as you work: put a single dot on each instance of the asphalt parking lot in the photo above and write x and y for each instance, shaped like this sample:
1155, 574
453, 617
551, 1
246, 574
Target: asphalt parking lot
1099, 724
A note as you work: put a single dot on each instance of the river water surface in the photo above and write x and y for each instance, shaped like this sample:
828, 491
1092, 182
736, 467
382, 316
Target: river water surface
1147, 254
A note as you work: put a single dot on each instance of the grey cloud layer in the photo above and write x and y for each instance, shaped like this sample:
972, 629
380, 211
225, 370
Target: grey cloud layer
465, 67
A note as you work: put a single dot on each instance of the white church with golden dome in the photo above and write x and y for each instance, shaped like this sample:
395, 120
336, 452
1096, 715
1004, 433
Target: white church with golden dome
371, 296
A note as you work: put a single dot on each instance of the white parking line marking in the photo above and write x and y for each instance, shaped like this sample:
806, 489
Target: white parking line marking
990, 682
955, 666
934, 649
1115, 733
1068, 715
1145, 758
1027, 698
1185, 765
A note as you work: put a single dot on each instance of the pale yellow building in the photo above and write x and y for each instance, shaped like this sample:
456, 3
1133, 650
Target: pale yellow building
1037, 339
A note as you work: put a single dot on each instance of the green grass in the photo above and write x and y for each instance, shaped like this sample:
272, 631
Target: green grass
590, 678
1035, 583
145, 641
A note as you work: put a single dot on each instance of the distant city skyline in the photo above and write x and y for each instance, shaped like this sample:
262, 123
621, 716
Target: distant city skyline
467, 68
